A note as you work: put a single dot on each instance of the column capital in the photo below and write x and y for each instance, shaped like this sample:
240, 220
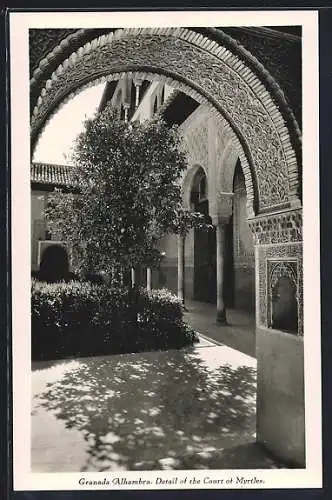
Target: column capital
137, 81
223, 208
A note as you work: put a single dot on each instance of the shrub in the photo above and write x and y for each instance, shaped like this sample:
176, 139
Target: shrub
84, 318
161, 323
59, 315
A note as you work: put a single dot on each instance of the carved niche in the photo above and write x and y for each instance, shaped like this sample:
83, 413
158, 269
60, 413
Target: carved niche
283, 295
278, 237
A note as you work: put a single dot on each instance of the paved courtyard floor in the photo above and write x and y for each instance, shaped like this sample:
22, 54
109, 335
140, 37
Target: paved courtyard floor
238, 334
192, 408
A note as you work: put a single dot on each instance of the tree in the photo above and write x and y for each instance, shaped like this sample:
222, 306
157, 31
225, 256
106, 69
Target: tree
128, 194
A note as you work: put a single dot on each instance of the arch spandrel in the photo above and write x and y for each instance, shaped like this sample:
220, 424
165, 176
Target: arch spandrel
213, 72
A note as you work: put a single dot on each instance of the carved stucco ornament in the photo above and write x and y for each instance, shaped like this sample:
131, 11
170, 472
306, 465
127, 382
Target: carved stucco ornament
214, 73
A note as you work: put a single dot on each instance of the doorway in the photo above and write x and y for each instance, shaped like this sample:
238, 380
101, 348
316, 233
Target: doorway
205, 284
54, 265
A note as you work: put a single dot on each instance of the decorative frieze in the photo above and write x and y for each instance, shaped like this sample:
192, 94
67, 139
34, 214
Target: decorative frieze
283, 227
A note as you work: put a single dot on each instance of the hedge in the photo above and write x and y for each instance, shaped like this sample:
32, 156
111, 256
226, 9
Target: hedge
83, 318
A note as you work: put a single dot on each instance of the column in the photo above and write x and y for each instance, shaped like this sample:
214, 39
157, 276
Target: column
220, 241
148, 279
138, 84
133, 277
126, 108
181, 241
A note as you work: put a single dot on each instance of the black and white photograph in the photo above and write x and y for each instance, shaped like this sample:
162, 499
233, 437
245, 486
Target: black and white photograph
165, 250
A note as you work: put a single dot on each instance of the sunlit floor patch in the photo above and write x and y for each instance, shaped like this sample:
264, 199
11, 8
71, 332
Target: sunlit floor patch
161, 410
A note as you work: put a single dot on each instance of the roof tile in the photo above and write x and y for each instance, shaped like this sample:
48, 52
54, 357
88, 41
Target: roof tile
50, 173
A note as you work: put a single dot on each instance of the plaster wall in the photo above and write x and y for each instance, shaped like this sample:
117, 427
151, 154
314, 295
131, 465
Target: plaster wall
280, 394
38, 226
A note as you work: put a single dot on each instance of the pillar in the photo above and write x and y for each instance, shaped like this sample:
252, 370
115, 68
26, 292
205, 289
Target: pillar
220, 241
149, 279
181, 243
221, 216
133, 277
280, 353
126, 109
137, 84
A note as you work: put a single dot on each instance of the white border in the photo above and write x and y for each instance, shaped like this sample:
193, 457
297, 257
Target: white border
20, 171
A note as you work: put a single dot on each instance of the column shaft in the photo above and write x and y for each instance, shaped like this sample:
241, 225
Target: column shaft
137, 87
133, 277
220, 241
149, 278
181, 241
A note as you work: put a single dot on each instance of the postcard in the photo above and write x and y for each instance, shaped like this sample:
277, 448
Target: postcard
165, 250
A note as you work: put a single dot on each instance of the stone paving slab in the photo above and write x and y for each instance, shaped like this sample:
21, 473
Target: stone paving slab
178, 409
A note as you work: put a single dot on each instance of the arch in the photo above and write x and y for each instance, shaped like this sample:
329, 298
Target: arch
279, 270
204, 243
219, 73
226, 166
199, 186
241, 246
188, 183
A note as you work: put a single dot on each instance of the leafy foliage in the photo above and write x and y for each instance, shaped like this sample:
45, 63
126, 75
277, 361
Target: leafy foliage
81, 319
128, 179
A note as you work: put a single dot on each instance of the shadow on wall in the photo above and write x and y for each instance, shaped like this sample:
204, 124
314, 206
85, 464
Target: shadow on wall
156, 412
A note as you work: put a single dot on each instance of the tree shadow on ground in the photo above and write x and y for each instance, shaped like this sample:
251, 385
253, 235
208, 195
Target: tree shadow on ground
155, 411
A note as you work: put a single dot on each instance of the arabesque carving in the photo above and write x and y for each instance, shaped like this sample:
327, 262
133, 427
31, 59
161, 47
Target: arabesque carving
272, 262
214, 72
285, 227
280, 269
